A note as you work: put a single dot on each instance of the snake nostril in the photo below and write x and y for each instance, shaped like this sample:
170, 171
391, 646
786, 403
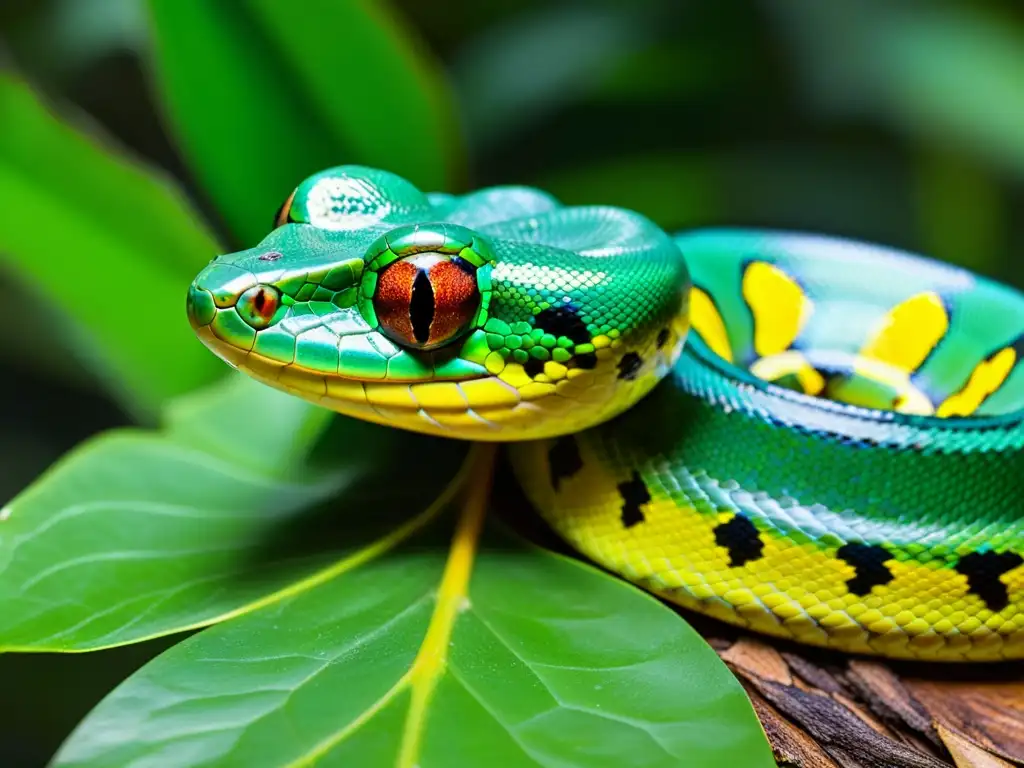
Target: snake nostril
271, 256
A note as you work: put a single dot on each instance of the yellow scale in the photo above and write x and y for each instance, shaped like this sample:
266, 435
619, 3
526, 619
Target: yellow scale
894, 351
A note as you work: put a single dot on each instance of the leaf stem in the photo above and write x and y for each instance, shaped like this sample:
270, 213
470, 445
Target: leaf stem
430, 662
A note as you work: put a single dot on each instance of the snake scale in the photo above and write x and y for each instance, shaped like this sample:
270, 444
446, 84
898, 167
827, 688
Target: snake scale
806, 436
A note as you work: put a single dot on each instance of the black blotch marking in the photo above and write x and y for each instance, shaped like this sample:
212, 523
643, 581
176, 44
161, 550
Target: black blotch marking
421, 307
564, 460
741, 539
271, 256
464, 265
563, 320
629, 366
587, 360
662, 339
983, 570
1017, 346
534, 367
634, 495
868, 560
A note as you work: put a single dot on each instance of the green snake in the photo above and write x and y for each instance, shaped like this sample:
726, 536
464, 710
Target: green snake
834, 454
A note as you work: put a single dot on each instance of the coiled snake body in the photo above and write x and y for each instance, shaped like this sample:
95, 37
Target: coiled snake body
834, 453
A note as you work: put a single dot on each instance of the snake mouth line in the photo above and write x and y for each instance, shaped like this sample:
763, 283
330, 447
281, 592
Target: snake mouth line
483, 406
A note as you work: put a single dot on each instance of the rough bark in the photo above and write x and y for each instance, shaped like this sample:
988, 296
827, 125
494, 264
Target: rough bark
822, 709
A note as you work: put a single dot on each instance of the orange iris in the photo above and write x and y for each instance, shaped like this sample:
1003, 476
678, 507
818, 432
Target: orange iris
426, 300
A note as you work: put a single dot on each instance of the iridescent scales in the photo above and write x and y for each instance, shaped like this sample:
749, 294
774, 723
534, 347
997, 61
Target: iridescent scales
498, 315
833, 524
863, 352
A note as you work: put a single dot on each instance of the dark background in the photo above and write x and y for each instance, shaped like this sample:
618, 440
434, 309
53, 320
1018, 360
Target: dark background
898, 122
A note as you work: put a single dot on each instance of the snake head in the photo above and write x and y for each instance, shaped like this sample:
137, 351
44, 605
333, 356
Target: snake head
452, 315
354, 279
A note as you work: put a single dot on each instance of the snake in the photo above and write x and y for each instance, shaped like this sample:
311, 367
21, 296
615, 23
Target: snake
807, 436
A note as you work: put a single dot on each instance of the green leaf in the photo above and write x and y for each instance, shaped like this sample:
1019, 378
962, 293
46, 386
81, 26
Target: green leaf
137, 534
940, 71
673, 190
261, 95
519, 71
219, 419
64, 37
37, 336
856, 194
435, 654
110, 245
681, 67
963, 216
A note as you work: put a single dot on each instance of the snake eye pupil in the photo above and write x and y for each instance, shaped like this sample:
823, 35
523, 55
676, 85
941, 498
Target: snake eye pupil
426, 300
258, 305
421, 307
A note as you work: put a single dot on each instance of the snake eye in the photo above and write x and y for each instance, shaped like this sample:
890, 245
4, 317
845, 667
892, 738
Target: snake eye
426, 300
258, 305
283, 215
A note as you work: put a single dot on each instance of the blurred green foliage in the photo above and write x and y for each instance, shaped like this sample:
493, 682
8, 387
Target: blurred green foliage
253, 100
900, 122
